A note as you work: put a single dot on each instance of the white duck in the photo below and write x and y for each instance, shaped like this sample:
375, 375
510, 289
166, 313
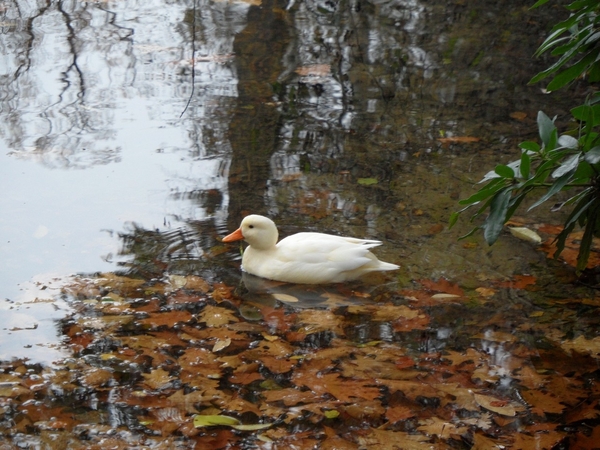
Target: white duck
311, 258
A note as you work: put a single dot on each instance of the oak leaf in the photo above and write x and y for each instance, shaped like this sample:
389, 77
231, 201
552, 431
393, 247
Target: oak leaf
158, 379
582, 345
315, 321
397, 413
504, 407
343, 389
544, 401
393, 440
168, 319
441, 428
215, 316
290, 396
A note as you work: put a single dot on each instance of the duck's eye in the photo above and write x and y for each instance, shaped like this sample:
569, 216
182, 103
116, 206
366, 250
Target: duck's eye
250, 226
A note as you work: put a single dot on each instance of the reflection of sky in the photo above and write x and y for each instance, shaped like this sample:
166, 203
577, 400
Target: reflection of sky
51, 220
55, 221
85, 149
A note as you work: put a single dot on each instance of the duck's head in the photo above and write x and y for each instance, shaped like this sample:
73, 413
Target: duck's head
258, 231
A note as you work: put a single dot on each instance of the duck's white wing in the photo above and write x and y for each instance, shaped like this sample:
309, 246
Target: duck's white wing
319, 251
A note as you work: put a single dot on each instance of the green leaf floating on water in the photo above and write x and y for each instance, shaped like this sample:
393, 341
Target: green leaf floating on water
367, 181
201, 420
331, 414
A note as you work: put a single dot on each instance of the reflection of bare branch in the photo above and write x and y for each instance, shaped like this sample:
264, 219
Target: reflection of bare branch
71, 39
193, 60
53, 116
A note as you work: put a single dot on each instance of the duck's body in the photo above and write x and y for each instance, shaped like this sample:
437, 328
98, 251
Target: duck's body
311, 258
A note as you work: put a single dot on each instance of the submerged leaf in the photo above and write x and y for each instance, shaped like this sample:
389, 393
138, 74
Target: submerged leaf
525, 234
496, 405
367, 181
201, 420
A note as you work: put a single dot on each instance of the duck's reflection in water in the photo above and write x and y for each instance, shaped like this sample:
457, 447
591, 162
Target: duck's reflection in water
265, 292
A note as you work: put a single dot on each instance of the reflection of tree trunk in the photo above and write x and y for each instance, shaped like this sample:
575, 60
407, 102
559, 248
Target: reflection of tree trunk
253, 129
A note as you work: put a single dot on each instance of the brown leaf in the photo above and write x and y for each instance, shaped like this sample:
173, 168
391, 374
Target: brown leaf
277, 365
388, 440
542, 440
245, 378
544, 401
157, 379
411, 389
518, 282
315, 321
442, 285
499, 406
397, 413
518, 115
441, 428
343, 389
582, 345
458, 140
168, 319
290, 396
314, 70
201, 361
215, 316
435, 229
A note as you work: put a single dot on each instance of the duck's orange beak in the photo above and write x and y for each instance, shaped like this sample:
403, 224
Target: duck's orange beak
235, 236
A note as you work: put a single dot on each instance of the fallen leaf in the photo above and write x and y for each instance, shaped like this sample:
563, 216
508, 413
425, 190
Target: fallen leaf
485, 292
525, 234
504, 407
157, 379
290, 396
314, 70
387, 440
315, 321
582, 345
221, 344
458, 140
367, 181
441, 428
215, 316
443, 286
216, 420
518, 282
518, 115
544, 401
343, 389
397, 413
168, 319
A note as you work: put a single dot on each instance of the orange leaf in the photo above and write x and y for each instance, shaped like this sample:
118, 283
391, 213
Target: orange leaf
245, 378
442, 285
518, 282
396, 413
518, 115
277, 365
343, 389
167, 319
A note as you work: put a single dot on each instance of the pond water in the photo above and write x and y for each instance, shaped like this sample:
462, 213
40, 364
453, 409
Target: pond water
127, 122
134, 135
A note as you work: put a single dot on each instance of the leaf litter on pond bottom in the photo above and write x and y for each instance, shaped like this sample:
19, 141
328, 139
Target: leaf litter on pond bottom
289, 368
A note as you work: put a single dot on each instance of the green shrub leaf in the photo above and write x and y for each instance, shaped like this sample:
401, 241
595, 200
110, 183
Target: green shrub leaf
525, 165
530, 146
504, 171
569, 165
546, 127
495, 221
556, 187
